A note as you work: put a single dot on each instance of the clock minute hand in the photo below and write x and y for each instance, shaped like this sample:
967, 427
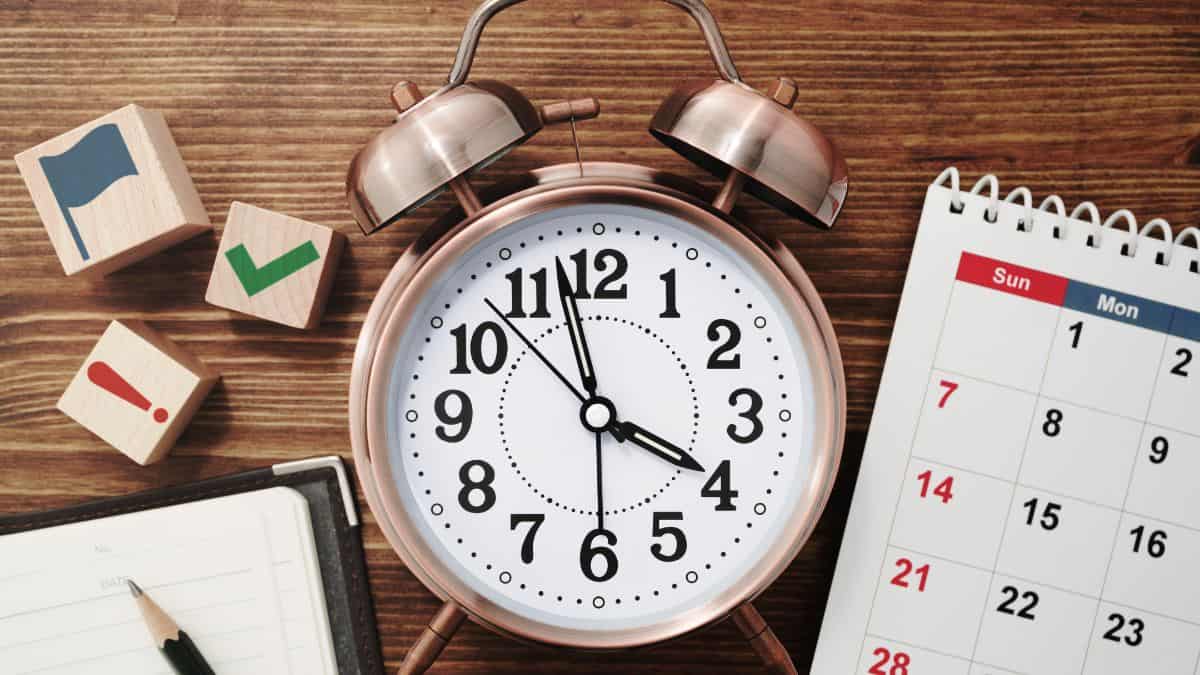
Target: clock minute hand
583, 358
658, 446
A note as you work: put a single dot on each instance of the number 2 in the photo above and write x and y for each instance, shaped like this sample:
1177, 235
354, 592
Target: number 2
899, 662
951, 387
1185, 356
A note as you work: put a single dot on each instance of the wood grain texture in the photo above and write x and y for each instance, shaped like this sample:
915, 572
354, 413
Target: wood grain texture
268, 101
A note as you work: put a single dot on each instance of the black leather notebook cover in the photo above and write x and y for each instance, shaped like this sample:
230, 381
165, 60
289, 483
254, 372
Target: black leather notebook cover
323, 482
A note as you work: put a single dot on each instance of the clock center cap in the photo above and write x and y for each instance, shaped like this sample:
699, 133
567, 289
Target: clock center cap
597, 413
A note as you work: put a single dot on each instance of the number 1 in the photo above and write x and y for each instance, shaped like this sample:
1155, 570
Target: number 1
1077, 329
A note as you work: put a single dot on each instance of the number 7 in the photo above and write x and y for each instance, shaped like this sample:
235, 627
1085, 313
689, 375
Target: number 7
950, 389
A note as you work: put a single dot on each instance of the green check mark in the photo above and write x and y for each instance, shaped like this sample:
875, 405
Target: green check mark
257, 279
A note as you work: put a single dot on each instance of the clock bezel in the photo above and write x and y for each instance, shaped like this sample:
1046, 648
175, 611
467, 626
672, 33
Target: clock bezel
554, 187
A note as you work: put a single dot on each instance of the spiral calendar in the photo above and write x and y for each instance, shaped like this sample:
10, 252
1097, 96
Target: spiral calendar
1029, 496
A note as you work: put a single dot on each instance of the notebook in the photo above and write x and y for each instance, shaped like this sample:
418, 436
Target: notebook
1027, 500
238, 562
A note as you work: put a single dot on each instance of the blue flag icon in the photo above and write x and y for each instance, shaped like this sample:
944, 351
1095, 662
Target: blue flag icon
84, 171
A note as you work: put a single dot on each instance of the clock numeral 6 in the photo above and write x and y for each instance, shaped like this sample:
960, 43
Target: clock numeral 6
535, 520
461, 419
658, 530
484, 364
718, 487
589, 551
481, 487
750, 414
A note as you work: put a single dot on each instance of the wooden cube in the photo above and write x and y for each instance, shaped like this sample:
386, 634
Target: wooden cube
112, 192
137, 390
274, 266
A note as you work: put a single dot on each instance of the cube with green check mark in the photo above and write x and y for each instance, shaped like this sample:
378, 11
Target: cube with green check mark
274, 267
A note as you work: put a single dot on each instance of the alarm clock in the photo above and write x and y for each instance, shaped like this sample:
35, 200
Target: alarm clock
593, 409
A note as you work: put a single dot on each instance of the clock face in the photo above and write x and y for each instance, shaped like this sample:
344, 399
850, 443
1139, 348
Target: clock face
604, 417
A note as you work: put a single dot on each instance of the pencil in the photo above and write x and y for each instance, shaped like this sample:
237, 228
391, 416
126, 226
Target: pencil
174, 644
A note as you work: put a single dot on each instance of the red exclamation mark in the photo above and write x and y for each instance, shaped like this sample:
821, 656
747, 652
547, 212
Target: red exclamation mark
102, 375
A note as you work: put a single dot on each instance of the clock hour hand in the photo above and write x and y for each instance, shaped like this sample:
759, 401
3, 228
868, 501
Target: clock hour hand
583, 358
657, 446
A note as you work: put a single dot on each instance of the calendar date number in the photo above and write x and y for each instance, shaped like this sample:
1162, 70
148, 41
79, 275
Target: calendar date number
889, 662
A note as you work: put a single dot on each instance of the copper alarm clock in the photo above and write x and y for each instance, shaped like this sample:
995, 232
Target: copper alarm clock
596, 411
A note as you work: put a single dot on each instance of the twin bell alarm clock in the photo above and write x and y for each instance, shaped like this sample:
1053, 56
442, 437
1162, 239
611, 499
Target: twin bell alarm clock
596, 411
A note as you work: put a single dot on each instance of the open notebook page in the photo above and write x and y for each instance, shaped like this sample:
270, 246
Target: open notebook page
238, 573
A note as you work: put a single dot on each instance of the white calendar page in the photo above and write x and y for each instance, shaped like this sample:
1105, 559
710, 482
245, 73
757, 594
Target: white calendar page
1029, 497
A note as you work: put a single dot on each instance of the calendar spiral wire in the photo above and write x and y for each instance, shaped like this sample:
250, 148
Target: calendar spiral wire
1054, 205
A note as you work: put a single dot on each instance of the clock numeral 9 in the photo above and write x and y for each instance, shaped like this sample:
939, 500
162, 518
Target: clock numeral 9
658, 530
718, 487
750, 414
718, 359
481, 487
604, 259
461, 419
535, 520
589, 551
478, 358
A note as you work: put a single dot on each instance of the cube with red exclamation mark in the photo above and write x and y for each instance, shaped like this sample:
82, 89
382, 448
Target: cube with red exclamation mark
137, 390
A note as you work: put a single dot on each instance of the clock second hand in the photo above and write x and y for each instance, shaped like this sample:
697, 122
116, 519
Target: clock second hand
599, 482
536, 352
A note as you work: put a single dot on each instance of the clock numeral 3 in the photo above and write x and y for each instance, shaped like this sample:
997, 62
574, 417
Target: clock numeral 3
535, 520
481, 487
461, 419
658, 530
482, 362
718, 360
604, 259
718, 487
589, 551
750, 414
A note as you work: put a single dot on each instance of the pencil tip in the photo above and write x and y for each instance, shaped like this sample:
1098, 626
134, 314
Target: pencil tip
134, 588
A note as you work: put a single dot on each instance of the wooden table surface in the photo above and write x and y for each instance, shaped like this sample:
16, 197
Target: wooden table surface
268, 101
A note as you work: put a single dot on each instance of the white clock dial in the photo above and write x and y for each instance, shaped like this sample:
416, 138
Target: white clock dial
619, 487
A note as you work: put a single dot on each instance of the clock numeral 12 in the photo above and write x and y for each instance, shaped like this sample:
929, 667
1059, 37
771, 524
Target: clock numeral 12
605, 258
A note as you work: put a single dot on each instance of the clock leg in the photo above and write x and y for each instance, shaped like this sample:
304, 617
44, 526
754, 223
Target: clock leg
433, 639
760, 636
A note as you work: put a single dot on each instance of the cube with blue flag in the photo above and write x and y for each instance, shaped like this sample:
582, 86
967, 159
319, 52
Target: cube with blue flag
112, 191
